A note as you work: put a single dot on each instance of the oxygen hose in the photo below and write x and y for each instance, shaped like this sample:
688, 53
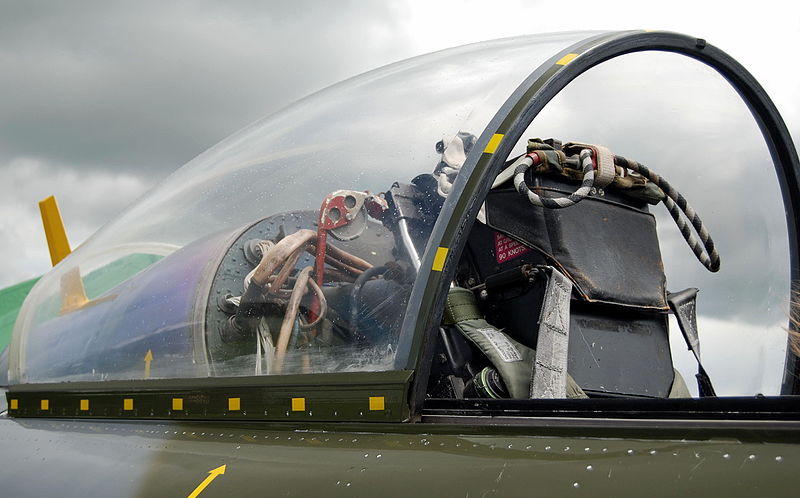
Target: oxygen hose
703, 249
278, 262
292, 309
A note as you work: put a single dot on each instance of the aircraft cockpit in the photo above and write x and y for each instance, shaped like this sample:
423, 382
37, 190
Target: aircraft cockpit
565, 217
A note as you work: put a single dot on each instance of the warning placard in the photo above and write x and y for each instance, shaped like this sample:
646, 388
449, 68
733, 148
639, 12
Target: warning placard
506, 248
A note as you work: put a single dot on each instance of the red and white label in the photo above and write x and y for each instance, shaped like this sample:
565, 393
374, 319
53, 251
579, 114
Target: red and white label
506, 248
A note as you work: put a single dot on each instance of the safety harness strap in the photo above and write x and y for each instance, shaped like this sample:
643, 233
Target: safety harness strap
684, 306
550, 372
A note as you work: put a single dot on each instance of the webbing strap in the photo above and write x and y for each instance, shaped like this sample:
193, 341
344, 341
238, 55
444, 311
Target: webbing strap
460, 306
550, 372
684, 305
604, 162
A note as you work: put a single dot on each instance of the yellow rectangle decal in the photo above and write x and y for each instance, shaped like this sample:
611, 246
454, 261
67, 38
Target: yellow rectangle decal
493, 143
439, 259
127, 404
84, 405
14, 404
298, 404
234, 404
45, 404
376, 403
566, 59
177, 404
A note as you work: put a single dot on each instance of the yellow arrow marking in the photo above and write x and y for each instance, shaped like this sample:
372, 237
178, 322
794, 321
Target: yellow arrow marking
147, 359
211, 476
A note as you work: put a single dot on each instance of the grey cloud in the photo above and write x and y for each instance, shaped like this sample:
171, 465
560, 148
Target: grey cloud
149, 86
103, 96
86, 200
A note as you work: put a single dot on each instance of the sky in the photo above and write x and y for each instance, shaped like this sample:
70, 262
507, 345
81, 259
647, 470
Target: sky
103, 100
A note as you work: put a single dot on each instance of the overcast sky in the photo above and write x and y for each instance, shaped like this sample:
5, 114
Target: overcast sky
101, 100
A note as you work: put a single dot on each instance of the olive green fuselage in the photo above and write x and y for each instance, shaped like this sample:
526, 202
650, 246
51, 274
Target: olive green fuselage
49, 457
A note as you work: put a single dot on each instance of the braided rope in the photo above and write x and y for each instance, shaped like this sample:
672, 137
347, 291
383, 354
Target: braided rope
525, 162
676, 204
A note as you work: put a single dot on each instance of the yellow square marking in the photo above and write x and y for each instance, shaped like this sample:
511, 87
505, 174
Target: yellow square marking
566, 59
234, 404
45, 404
127, 404
376, 403
14, 404
84, 405
493, 143
439, 259
298, 404
177, 403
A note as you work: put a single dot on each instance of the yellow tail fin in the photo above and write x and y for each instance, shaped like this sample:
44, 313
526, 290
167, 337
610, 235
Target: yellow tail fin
54, 230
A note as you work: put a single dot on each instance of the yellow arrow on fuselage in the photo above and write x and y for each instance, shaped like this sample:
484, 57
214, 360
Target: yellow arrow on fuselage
211, 476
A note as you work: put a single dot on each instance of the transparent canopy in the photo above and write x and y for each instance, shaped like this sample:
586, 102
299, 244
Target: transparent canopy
363, 134
189, 282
